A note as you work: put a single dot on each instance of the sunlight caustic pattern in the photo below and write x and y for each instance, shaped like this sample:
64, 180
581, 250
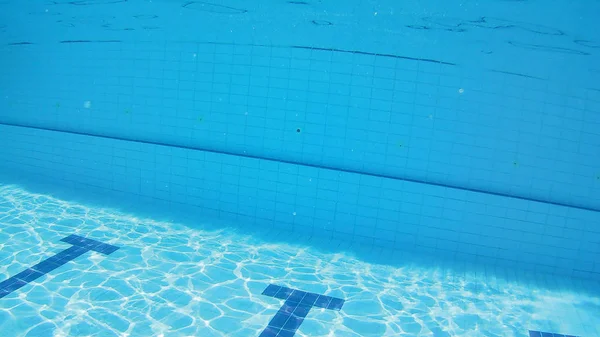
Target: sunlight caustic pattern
172, 280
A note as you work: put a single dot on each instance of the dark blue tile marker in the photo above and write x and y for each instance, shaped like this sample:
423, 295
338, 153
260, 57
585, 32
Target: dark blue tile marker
80, 245
546, 334
295, 308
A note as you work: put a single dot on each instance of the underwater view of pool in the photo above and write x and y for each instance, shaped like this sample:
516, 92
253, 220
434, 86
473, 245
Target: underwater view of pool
169, 279
316, 168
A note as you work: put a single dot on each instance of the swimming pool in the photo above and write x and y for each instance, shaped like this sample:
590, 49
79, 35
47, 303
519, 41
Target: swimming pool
299, 168
168, 279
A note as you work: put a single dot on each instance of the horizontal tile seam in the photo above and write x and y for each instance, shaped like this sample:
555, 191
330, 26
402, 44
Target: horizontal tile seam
318, 166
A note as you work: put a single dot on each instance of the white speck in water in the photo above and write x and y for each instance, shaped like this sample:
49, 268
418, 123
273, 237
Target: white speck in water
87, 104
246, 113
461, 91
375, 14
294, 213
309, 179
194, 55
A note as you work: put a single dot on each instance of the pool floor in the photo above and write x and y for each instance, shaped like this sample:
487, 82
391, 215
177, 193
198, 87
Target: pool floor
91, 271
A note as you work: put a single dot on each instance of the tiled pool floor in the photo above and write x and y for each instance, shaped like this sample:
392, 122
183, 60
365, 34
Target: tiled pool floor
167, 279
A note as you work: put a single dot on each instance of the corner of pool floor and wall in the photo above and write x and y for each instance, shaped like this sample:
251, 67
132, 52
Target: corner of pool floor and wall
305, 164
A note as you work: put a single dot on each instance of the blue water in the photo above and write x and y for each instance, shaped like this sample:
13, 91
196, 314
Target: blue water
169, 279
299, 168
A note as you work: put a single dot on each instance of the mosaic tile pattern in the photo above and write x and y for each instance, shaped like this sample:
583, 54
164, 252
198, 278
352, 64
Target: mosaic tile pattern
547, 334
295, 308
206, 279
80, 246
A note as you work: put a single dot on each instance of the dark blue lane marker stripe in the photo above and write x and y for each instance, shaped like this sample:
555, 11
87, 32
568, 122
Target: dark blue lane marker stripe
295, 308
80, 245
547, 334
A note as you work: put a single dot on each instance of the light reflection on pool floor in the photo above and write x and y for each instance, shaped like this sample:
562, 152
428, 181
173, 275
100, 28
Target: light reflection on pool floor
171, 280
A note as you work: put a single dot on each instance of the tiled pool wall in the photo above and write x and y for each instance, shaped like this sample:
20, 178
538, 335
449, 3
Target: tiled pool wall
424, 120
388, 213
488, 152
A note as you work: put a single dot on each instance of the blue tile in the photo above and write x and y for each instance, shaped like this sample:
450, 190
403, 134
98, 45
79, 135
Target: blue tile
28, 275
106, 249
533, 333
7, 282
77, 240
48, 265
288, 307
90, 244
302, 310
296, 296
335, 304
11, 285
293, 323
279, 320
322, 301
309, 299
70, 254
79, 246
271, 290
284, 293
296, 307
